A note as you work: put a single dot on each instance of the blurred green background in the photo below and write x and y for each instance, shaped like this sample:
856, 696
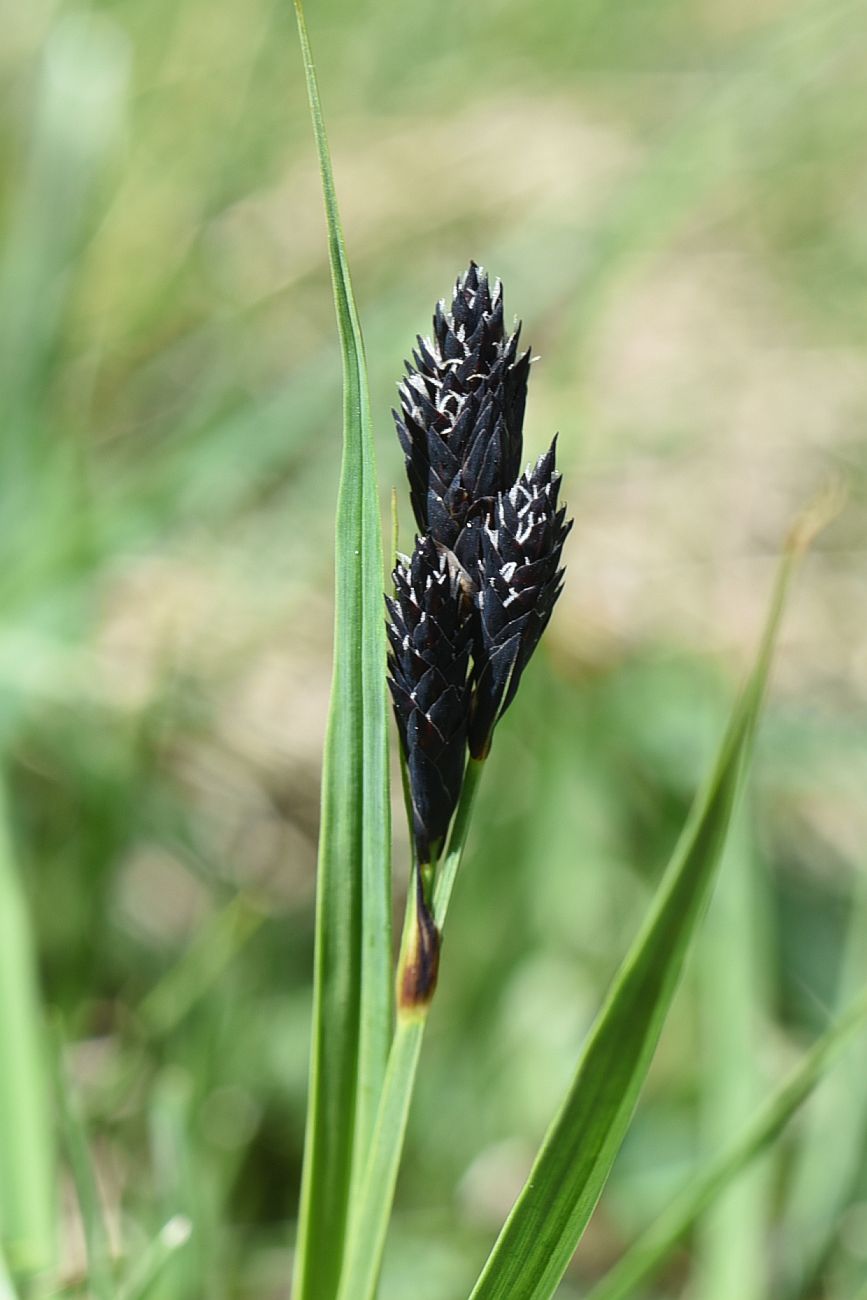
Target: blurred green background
675, 195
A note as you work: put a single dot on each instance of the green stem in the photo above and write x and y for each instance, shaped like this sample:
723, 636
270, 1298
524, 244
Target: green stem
75, 1139
448, 869
369, 1223
174, 1234
7, 1287
27, 1173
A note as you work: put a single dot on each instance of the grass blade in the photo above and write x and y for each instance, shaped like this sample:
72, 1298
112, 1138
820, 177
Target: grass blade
213, 948
75, 1140
825, 1169
731, 1254
187, 1193
653, 1246
550, 1215
80, 116
352, 1013
27, 1209
376, 1193
7, 1289
171, 1238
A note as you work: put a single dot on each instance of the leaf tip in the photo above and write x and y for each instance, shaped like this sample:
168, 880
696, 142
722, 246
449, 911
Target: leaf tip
822, 511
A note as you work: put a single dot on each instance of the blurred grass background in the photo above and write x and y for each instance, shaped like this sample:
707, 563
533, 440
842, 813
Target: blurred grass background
675, 195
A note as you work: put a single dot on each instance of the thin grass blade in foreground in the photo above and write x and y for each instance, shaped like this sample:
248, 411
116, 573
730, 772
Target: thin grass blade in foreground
218, 941
548, 1219
148, 1270
75, 1140
185, 1194
825, 1168
27, 1208
7, 1290
352, 1008
730, 1256
650, 1250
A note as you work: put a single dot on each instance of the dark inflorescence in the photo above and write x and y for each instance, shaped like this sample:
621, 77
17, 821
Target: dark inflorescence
518, 581
462, 408
430, 635
473, 600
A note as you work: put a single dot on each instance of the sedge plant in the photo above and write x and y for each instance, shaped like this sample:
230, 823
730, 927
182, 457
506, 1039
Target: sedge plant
466, 611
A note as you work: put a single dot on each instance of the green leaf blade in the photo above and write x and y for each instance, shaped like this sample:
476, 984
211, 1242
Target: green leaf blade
826, 1163
649, 1251
7, 1287
550, 1215
731, 1248
78, 1154
148, 1270
27, 1155
352, 1014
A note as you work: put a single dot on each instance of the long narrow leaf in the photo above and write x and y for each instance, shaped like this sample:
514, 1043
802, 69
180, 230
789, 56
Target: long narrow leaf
352, 1015
185, 1195
215, 945
652, 1247
27, 1206
828, 1158
171, 1238
7, 1288
77, 1146
552, 1211
731, 1249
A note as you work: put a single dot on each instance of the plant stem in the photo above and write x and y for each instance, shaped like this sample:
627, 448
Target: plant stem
173, 1235
448, 869
27, 1175
369, 1221
75, 1137
7, 1288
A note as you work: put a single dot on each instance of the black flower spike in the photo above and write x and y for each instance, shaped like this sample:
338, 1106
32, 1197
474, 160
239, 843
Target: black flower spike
462, 410
430, 636
519, 582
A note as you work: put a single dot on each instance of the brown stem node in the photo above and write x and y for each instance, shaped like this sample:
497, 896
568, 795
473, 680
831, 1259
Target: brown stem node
420, 966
